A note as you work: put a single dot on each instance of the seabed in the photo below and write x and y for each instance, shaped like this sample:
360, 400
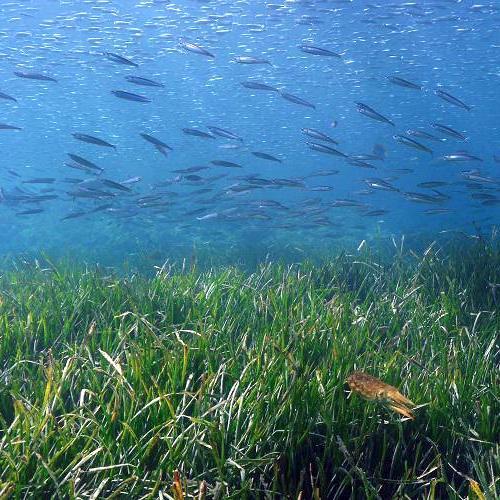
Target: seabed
225, 382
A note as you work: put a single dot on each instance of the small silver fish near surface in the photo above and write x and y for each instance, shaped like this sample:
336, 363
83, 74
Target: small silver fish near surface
92, 140
323, 148
445, 129
461, 156
401, 82
318, 51
29, 75
366, 110
258, 86
451, 99
408, 141
145, 82
316, 134
130, 96
251, 60
297, 100
120, 59
195, 48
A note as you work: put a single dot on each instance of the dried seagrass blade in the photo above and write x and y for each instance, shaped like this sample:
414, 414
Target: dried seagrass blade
177, 486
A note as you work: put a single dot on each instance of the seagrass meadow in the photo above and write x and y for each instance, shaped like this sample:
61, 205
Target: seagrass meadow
249, 249
236, 379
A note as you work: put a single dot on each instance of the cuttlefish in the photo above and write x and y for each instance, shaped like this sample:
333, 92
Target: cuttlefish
374, 389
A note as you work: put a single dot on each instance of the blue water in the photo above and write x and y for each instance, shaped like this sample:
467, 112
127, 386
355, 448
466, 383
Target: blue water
442, 44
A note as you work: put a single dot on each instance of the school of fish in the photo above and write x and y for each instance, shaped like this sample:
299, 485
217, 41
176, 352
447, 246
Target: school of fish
271, 116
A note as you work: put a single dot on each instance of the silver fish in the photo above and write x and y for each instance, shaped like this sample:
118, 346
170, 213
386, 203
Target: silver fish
316, 134
223, 163
404, 83
34, 76
347, 203
156, 142
323, 148
251, 60
132, 180
224, 133
452, 100
86, 163
258, 86
115, 185
198, 133
437, 211
380, 184
371, 113
30, 211
448, 131
422, 197
129, 96
407, 141
120, 59
74, 215
92, 140
318, 51
461, 156
297, 100
476, 176
266, 156
145, 82
196, 49
359, 163
423, 135
40, 180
